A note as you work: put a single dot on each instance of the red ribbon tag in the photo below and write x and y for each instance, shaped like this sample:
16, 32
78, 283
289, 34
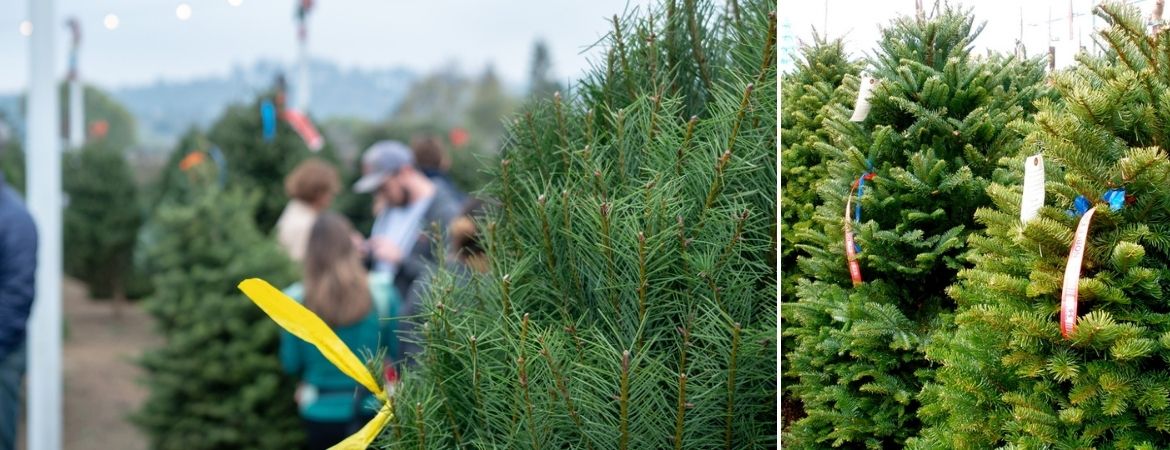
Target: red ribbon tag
1072, 275
304, 127
850, 247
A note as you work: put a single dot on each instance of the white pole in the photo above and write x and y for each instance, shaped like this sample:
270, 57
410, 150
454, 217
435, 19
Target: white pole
76, 114
76, 93
44, 202
302, 103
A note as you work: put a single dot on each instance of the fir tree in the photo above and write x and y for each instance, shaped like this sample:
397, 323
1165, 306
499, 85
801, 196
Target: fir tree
540, 82
1009, 379
807, 96
12, 163
102, 220
216, 382
631, 298
257, 164
931, 142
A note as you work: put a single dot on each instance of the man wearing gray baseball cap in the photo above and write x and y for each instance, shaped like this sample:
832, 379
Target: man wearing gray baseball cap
406, 205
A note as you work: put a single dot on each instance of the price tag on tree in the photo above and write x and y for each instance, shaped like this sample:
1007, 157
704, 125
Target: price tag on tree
1033, 188
1072, 275
864, 92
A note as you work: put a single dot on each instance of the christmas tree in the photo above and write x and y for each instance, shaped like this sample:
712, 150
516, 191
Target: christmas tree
1009, 378
12, 163
216, 382
916, 169
257, 162
630, 301
102, 220
807, 96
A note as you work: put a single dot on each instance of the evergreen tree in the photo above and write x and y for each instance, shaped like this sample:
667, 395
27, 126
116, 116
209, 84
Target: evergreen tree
1009, 379
101, 221
807, 96
631, 298
174, 184
12, 163
216, 383
120, 128
256, 164
540, 82
926, 153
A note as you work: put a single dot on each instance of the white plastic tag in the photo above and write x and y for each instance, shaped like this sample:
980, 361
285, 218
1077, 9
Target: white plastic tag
861, 107
1033, 188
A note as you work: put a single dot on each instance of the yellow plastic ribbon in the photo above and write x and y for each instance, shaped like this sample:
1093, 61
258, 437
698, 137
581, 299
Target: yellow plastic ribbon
302, 323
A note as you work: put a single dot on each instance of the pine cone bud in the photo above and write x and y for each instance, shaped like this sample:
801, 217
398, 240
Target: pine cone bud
605, 209
625, 360
541, 199
641, 238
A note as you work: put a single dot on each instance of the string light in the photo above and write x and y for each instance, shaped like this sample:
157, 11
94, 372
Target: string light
235, 2
26, 28
111, 21
183, 12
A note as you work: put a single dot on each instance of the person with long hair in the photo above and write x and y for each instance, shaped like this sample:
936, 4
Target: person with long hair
337, 288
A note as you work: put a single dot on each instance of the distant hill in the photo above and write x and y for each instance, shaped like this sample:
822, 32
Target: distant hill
165, 109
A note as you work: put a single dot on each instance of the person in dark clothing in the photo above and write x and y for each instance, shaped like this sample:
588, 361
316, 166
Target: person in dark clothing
434, 162
410, 208
465, 258
18, 262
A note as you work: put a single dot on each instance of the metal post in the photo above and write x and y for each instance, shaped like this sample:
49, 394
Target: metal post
76, 93
302, 97
44, 203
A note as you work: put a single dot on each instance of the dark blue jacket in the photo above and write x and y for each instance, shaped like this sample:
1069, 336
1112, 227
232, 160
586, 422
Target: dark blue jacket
18, 263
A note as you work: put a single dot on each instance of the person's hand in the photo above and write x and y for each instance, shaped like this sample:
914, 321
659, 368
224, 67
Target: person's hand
359, 243
385, 250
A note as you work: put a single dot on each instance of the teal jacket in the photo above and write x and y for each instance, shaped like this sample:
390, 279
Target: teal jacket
329, 395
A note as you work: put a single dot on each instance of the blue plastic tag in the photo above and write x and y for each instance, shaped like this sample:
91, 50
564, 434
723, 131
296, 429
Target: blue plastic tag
1115, 198
268, 120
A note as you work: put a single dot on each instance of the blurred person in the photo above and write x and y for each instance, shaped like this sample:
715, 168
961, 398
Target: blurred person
356, 306
465, 257
311, 187
435, 162
18, 261
407, 206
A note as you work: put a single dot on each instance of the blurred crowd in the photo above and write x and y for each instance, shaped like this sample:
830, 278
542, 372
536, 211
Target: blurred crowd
366, 284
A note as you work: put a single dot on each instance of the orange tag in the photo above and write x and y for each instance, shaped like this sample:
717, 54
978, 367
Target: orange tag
1072, 275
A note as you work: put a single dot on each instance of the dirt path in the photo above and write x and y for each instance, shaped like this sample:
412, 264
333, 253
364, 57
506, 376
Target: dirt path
101, 378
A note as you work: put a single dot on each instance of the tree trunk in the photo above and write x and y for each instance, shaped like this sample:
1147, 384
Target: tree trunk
119, 301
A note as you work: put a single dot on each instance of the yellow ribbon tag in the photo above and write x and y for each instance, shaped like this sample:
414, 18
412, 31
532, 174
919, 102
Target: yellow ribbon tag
362, 439
302, 323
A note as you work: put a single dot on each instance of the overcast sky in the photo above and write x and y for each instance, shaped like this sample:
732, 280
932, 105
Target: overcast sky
858, 21
150, 41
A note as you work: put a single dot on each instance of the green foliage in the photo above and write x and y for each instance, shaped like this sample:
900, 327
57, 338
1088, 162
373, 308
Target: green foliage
1008, 379
254, 164
12, 164
99, 107
102, 219
216, 383
807, 96
937, 129
173, 184
434, 106
540, 82
630, 303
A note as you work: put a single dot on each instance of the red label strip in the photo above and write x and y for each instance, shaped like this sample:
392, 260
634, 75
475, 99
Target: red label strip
1072, 275
850, 247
